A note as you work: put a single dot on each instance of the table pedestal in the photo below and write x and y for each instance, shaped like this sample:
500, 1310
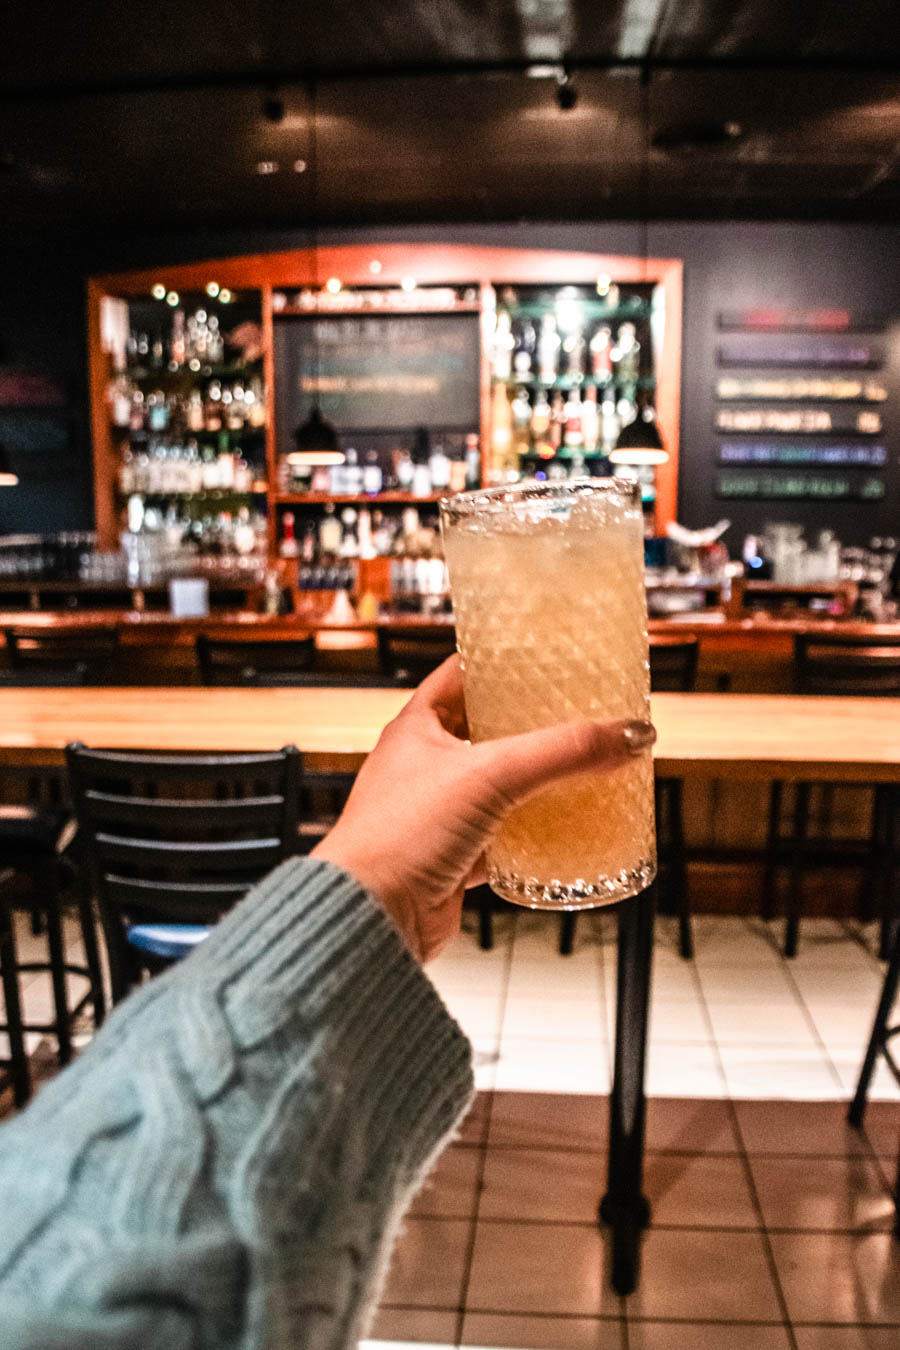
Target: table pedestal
624, 1206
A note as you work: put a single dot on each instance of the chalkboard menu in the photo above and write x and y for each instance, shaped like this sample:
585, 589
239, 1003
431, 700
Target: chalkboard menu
377, 373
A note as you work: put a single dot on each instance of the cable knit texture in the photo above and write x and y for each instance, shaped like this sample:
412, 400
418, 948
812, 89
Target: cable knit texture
225, 1166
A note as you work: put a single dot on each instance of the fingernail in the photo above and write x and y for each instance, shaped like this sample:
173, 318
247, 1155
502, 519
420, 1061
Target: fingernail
639, 736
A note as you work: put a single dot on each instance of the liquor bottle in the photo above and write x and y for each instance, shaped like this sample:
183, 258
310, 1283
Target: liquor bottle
404, 471
576, 355
330, 531
601, 357
590, 420
548, 350
503, 346
420, 455
473, 461
573, 436
540, 417
349, 546
195, 419
288, 548
609, 425
177, 351
212, 408
557, 420
501, 433
364, 534
521, 423
126, 473
626, 354
439, 469
373, 478
353, 474
120, 400
525, 349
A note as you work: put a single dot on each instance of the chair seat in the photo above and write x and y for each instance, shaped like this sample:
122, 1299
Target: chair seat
31, 826
170, 941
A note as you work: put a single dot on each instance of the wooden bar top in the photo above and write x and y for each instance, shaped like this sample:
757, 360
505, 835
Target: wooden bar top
742, 736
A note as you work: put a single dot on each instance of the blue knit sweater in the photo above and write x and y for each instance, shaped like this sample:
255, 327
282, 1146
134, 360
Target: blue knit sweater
225, 1166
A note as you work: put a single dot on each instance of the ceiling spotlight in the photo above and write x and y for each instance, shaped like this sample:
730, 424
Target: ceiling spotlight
273, 108
300, 166
566, 93
159, 291
172, 298
265, 167
224, 296
408, 284
332, 285
375, 267
212, 289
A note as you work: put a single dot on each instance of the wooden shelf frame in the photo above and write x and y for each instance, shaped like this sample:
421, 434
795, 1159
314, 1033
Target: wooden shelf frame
430, 264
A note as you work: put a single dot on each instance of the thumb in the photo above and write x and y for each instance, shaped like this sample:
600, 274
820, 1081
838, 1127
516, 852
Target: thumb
517, 766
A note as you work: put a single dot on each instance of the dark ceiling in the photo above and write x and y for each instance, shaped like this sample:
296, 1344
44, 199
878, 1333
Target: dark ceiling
116, 116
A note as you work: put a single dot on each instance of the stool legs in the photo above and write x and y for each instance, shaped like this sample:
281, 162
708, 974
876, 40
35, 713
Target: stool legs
19, 1074
47, 882
567, 923
890, 806
878, 1037
92, 957
770, 870
798, 847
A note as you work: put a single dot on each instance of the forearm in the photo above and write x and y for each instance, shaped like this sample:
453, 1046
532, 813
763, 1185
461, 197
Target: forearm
234, 1143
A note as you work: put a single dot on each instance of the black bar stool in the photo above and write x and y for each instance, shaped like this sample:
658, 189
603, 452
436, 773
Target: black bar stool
15, 1064
837, 664
408, 653
233, 661
879, 1047
88, 654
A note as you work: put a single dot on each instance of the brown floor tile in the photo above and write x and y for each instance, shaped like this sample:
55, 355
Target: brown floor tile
549, 1120
718, 1275
846, 1338
474, 1128
705, 1191
881, 1124
451, 1188
543, 1333
705, 1336
836, 1193
816, 1128
690, 1125
414, 1324
838, 1277
428, 1264
531, 1184
540, 1268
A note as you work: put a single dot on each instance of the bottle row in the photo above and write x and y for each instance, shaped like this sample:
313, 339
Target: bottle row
359, 534
192, 338
238, 405
183, 533
564, 345
448, 464
525, 423
172, 468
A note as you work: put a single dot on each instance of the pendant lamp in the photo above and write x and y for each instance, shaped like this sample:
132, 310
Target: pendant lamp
315, 439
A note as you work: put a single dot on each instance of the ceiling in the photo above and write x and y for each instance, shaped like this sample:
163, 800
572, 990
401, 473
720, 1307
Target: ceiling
116, 117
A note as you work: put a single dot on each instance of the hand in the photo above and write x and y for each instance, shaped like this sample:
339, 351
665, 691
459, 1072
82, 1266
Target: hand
426, 802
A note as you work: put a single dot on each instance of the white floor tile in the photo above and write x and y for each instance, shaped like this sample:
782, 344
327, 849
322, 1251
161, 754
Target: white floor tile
733, 984
788, 1073
884, 1086
555, 1018
677, 1023
529, 1065
762, 1023
683, 1071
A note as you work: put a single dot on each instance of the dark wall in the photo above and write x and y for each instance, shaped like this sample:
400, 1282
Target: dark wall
726, 266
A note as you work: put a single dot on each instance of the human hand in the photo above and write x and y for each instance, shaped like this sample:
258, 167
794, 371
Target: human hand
426, 802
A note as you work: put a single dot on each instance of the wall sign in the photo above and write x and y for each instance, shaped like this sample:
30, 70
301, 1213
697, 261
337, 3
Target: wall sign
761, 486
766, 320
840, 388
749, 350
755, 452
798, 421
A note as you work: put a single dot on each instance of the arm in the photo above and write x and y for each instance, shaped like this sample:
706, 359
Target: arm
226, 1164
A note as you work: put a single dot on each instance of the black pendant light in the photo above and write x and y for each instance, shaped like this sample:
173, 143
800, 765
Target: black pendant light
315, 439
8, 476
639, 441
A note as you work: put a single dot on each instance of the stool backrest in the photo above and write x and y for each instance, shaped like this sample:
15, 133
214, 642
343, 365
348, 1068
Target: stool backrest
232, 661
673, 663
89, 652
179, 838
839, 663
409, 653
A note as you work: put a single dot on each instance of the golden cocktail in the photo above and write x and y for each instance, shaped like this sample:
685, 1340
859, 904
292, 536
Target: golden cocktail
548, 592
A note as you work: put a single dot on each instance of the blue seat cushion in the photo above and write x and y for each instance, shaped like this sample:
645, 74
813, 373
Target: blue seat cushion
170, 941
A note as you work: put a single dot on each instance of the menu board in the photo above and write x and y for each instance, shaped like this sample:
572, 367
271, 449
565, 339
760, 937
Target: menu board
731, 483
378, 373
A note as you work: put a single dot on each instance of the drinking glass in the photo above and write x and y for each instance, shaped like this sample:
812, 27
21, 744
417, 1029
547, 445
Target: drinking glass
547, 582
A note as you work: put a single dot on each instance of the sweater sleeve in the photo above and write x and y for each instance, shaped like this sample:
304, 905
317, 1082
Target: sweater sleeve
226, 1164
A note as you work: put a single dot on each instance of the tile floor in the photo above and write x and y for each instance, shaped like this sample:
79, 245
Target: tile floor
771, 1218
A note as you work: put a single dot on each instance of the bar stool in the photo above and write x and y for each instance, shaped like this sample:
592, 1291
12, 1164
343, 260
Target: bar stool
32, 839
409, 652
879, 1046
15, 1064
86, 653
233, 661
836, 664
673, 669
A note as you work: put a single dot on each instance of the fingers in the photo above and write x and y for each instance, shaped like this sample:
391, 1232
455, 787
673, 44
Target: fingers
442, 693
516, 766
